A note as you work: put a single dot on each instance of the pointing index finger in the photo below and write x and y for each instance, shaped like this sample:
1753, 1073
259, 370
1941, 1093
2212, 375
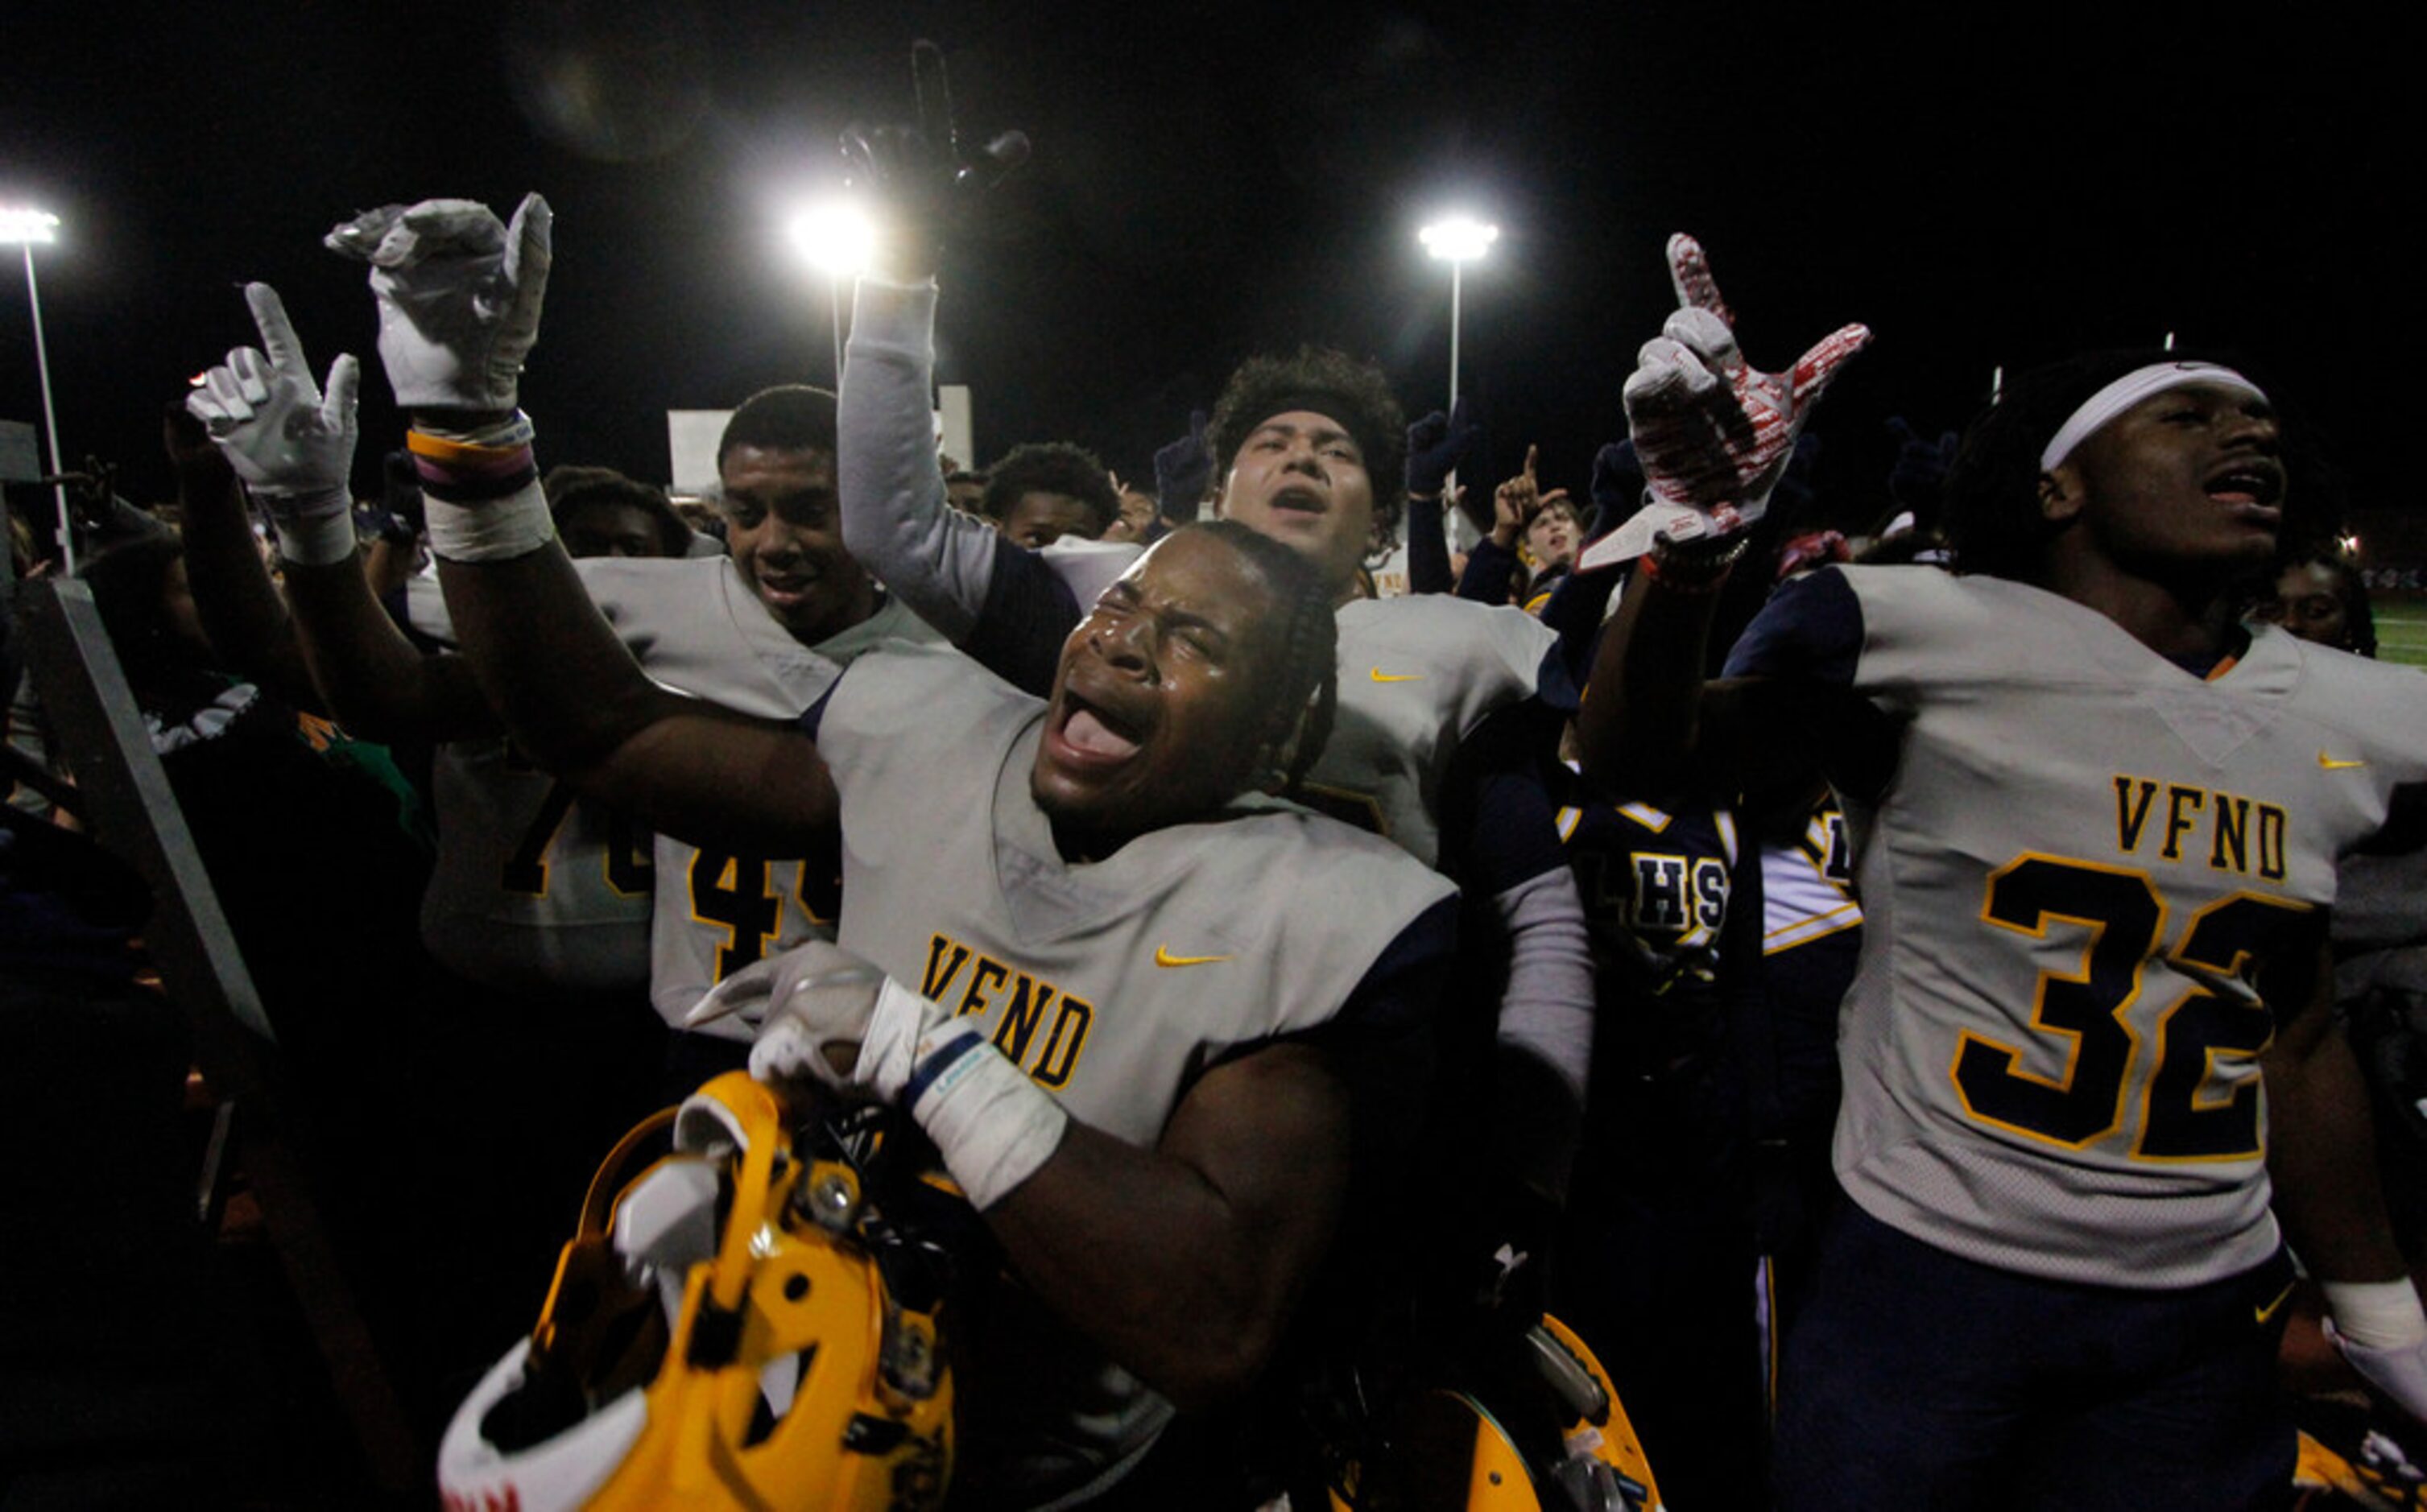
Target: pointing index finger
278, 339
935, 91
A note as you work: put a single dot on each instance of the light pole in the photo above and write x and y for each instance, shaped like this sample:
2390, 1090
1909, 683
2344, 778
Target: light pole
1456, 241
836, 237
26, 227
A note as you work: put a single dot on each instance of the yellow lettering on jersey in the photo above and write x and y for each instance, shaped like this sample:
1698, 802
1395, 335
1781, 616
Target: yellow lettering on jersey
1060, 1056
945, 958
2178, 824
2229, 818
1025, 1008
2129, 817
1020, 1016
990, 973
2231, 852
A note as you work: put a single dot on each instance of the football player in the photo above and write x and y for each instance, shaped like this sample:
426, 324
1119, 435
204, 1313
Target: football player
1308, 450
2096, 826
1112, 984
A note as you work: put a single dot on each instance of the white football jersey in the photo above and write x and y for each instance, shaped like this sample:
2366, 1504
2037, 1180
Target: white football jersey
2084, 861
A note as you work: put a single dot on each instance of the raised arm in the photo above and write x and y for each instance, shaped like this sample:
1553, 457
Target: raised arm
242, 613
458, 295
895, 516
1713, 435
295, 446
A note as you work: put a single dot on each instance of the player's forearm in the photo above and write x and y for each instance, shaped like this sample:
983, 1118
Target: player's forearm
1639, 727
1184, 1277
2322, 1153
895, 519
546, 660
242, 614
376, 683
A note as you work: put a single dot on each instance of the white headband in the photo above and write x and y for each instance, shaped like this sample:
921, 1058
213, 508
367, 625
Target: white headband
2129, 390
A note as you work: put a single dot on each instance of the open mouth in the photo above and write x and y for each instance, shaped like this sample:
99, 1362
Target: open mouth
1096, 734
1299, 501
784, 588
2259, 483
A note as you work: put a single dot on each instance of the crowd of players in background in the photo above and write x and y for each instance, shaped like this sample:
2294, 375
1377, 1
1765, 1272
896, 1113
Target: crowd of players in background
1652, 1133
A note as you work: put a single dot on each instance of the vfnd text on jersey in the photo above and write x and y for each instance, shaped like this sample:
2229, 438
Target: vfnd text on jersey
2242, 834
1027, 1003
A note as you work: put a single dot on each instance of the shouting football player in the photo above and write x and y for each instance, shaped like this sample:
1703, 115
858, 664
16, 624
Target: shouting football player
2097, 828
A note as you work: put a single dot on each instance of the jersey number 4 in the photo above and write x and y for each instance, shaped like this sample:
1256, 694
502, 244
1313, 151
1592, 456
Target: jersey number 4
2182, 1118
629, 870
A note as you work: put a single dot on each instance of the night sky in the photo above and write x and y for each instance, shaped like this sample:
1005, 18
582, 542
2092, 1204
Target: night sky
1981, 187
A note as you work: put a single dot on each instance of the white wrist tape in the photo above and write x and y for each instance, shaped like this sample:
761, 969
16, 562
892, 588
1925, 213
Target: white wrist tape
992, 1125
495, 530
313, 529
2377, 1314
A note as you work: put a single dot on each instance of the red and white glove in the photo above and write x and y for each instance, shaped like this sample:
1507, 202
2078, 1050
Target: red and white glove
1712, 433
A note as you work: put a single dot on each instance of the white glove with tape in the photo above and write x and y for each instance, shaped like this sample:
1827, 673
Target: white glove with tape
824, 1015
459, 297
292, 444
2382, 1329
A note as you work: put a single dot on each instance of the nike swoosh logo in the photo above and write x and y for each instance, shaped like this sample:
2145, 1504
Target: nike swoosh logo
1163, 956
2332, 765
2281, 1297
1379, 675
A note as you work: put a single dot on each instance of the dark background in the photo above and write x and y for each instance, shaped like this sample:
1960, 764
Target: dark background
1983, 185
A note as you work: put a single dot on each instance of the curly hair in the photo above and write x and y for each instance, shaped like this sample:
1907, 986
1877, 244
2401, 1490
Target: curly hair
1305, 695
1332, 383
787, 418
1051, 467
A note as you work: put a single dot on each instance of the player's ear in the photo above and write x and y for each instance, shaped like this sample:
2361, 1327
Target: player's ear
2061, 494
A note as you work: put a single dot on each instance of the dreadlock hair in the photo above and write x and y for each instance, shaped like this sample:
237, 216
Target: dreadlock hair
1051, 467
1332, 383
1306, 691
572, 488
1991, 509
787, 418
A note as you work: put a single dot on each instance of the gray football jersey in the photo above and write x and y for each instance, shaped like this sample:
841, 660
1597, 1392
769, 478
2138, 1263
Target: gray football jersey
2083, 860
694, 626
533, 889
1416, 675
1114, 984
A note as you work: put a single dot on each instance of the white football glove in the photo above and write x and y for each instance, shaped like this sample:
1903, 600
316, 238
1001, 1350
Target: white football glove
2382, 1329
459, 297
292, 444
824, 1015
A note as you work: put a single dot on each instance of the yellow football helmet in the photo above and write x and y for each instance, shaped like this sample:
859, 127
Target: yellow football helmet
790, 1375
1452, 1453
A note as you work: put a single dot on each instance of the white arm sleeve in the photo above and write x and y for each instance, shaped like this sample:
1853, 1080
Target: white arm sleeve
894, 517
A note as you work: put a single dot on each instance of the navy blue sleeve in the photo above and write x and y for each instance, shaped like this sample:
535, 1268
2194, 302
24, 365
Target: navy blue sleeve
1811, 630
1428, 548
1490, 569
1029, 612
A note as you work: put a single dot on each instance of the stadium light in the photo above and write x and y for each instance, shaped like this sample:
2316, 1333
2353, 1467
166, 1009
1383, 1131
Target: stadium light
835, 237
25, 226
1457, 241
